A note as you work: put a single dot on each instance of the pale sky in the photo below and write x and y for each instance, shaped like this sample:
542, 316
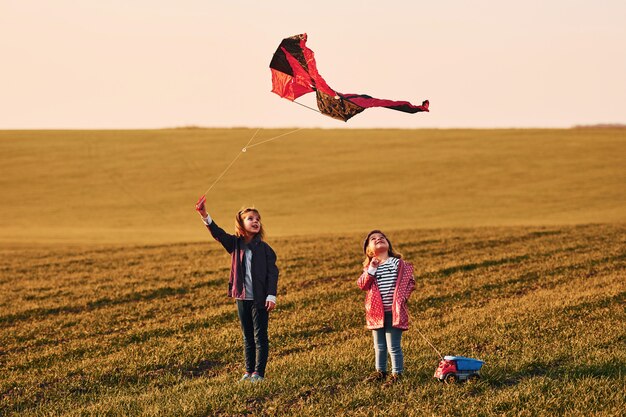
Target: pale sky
94, 64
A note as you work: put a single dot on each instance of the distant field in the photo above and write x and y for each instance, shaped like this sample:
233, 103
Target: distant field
147, 330
140, 186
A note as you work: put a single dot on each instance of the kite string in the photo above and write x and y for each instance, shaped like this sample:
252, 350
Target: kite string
270, 139
304, 105
244, 149
222, 174
431, 345
231, 164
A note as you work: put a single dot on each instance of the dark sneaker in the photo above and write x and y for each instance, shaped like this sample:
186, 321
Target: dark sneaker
393, 379
376, 376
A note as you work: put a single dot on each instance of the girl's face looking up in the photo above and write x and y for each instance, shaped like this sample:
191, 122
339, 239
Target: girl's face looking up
378, 244
251, 222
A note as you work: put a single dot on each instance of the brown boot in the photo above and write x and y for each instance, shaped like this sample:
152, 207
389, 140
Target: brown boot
393, 379
376, 376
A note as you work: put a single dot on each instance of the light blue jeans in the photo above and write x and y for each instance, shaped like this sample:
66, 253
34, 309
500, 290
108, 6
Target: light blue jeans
388, 340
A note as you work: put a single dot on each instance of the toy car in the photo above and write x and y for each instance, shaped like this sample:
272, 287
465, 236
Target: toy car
453, 369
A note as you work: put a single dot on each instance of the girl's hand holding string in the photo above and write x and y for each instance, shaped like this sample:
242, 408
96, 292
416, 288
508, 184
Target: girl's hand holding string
200, 208
269, 306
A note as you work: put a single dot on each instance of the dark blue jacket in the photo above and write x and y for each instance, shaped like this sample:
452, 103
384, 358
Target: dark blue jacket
264, 269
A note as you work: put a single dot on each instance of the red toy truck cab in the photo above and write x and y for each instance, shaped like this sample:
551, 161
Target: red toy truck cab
453, 369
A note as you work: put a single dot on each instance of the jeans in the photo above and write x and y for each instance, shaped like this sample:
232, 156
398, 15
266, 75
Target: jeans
388, 340
254, 321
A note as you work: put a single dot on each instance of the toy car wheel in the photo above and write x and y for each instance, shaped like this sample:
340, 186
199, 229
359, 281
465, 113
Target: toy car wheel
473, 378
450, 378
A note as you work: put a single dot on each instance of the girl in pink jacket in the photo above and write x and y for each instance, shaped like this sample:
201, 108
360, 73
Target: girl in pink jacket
389, 282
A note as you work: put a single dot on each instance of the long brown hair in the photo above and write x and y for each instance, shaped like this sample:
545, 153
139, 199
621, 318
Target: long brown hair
368, 255
239, 229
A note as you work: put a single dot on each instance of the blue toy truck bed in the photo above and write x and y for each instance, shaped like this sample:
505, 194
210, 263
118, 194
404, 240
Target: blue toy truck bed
465, 364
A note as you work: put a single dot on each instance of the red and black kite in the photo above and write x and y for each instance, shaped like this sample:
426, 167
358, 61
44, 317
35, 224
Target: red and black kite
294, 73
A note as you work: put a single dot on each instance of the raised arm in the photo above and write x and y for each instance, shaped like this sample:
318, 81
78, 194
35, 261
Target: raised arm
228, 241
368, 277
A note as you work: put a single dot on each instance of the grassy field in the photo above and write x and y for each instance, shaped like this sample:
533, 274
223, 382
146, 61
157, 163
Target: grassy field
140, 186
147, 330
113, 294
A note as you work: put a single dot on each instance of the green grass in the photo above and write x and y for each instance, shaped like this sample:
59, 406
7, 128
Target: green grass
148, 330
113, 294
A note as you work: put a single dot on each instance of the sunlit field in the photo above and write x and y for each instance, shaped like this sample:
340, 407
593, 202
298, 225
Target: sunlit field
148, 330
140, 186
114, 295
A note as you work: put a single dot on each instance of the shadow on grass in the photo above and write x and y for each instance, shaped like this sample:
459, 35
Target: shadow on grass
559, 369
519, 285
196, 325
80, 384
445, 272
149, 295
206, 368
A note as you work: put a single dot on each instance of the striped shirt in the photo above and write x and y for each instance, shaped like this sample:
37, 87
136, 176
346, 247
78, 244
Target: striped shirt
386, 277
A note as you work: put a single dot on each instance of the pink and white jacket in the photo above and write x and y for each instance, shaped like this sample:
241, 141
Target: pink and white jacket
374, 310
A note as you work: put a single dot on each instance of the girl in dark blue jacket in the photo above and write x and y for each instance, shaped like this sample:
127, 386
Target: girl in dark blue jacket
253, 282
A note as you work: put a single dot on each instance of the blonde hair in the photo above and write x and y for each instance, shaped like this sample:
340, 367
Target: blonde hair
368, 253
239, 229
